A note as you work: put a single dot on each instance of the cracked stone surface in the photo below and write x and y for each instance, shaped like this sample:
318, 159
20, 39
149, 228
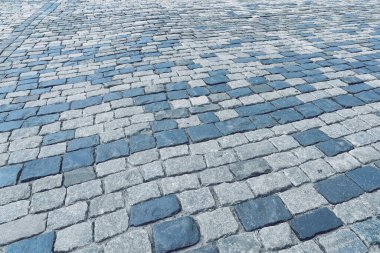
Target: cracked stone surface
189, 126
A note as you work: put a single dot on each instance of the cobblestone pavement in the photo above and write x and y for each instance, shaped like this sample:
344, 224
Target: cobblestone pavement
190, 126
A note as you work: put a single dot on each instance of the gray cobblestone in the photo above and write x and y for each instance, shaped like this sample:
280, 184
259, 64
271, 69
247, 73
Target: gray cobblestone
67, 216
73, 237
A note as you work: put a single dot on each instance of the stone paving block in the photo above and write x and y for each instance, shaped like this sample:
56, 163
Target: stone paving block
269, 183
110, 224
343, 240
40, 168
122, 180
171, 138
111, 150
205, 249
216, 175
277, 237
338, 189
74, 236
343, 162
83, 191
203, 132
301, 199
154, 209
196, 200
296, 176
215, 224
214, 159
129, 242
354, 210
180, 165
317, 169
365, 154
303, 247
105, 204
110, 166
47, 200
14, 193
22, 228
67, 215
142, 192
77, 159
141, 143
245, 242
334, 147
78, 176
9, 174
315, 222
254, 150
179, 183
176, 234
310, 137
261, 212
249, 168
368, 231
368, 178
13, 211
230, 193
41, 243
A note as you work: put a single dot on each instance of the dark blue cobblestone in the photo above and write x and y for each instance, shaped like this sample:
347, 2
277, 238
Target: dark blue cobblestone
78, 159
203, 132
310, 137
9, 174
40, 168
141, 142
112, 150
334, 147
368, 178
42, 243
171, 138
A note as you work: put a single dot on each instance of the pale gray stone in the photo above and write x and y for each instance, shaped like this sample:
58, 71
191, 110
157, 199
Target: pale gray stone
277, 237
79, 176
216, 224
219, 158
181, 165
302, 199
269, 183
14, 193
110, 167
67, 216
343, 162
73, 237
171, 152
296, 176
47, 183
83, 191
142, 192
14, 211
106, 203
152, 170
204, 147
342, 241
245, 242
134, 241
110, 224
304, 247
230, 193
47, 200
22, 228
353, 210
253, 150
196, 200
216, 175
179, 183
365, 154
317, 169
143, 157
233, 140
122, 180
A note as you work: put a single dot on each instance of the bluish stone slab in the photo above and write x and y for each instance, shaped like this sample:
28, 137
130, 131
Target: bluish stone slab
235, 125
338, 189
176, 234
263, 121
198, 91
368, 96
287, 102
310, 137
252, 110
348, 101
40, 168
37, 244
261, 212
154, 210
203, 132
163, 125
257, 80
53, 108
218, 79
83, 142
78, 159
286, 116
112, 150
9, 126
155, 107
151, 98
8, 175
314, 222
309, 110
40, 120
368, 177
327, 105
58, 137
141, 142
356, 88
208, 117
171, 138
334, 147
22, 114
80, 104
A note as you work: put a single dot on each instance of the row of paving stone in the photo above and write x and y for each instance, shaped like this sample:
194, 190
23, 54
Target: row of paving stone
197, 126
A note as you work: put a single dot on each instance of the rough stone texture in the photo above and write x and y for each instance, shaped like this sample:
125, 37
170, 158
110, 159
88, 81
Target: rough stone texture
343, 240
246, 242
196, 200
129, 242
216, 224
67, 216
110, 224
40, 243
73, 237
175, 234
276, 237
